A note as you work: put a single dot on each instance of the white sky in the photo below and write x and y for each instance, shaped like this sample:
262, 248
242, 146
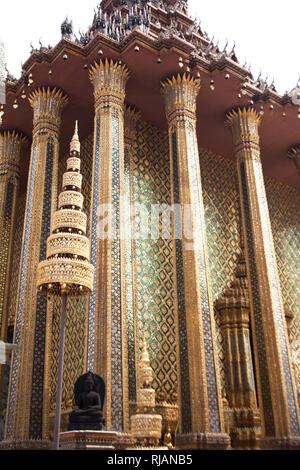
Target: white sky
266, 32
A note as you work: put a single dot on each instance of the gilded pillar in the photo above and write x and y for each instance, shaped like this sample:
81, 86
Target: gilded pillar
24, 413
11, 144
10, 153
201, 413
276, 385
107, 345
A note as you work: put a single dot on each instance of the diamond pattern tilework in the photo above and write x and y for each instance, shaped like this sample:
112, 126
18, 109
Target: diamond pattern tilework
74, 348
20, 209
41, 308
155, 295
221, 203
284, 203
4, 239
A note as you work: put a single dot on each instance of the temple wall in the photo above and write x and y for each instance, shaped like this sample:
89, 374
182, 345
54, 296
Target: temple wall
221, 204
154, 298
284, 203
154, 292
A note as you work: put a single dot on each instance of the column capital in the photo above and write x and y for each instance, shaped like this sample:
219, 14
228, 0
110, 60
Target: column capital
294, 155
109, 80
11, 143
244, 123
180, 95
47, 105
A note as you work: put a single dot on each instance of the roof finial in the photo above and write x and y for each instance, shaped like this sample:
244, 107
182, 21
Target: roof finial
75, 143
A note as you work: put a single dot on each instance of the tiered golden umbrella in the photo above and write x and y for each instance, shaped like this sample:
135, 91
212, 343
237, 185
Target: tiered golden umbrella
67, 271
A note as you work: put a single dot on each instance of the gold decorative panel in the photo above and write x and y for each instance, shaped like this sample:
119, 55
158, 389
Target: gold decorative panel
284, 203
155, 298
221, 203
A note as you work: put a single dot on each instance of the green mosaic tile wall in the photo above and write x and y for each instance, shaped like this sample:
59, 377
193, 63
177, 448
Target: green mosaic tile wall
155, 280
221, 205
284, 203
154, 305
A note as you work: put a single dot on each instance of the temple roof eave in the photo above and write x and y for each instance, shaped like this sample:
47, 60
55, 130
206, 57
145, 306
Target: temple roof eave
157, 45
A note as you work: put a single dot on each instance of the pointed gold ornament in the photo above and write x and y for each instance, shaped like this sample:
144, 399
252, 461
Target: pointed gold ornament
146, 425
67, 266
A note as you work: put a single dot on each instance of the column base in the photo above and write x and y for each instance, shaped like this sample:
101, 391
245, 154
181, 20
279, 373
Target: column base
280, 443
204, 441
87, 440
26, 444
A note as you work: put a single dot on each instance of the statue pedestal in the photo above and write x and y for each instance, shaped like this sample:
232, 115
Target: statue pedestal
88, 440
203, 441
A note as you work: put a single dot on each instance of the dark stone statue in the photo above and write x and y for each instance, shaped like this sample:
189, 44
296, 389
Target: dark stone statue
89, 392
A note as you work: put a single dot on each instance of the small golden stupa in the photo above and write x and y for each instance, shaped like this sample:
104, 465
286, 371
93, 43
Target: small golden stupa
146, 426
67, 267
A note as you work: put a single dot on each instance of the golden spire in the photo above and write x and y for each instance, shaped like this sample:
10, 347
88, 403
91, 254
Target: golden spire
146, 426
67, 267
75, 143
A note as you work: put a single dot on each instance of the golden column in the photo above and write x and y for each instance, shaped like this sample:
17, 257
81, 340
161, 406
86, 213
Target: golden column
11, 144
25, 407
276, 386
201, 409
107, 344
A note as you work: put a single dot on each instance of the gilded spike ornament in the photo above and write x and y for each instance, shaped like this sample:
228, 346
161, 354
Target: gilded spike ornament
47, 105
180, 95
294, 155
68, 250
11, 143
109, 79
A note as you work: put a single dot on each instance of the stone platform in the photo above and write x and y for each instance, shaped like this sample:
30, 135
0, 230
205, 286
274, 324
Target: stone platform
87, 440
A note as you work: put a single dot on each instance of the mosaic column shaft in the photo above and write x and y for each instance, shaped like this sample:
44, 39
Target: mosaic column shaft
130, 120
10, 152
276, 387
200, 389
107, 312
24, 413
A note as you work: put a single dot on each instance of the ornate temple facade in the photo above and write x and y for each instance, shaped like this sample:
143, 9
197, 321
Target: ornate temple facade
190, 184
